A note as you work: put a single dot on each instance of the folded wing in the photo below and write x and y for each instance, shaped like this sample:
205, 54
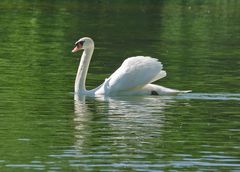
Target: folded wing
135, 72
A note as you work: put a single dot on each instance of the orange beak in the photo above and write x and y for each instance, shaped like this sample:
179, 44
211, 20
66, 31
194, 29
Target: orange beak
77, 48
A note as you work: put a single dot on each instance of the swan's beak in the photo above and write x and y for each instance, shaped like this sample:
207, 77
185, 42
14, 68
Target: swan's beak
76, 48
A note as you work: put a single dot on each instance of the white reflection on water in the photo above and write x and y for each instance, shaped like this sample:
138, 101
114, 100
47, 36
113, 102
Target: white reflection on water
120, 115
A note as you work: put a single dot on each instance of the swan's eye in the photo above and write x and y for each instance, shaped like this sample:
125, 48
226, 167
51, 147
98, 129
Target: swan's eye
81, 42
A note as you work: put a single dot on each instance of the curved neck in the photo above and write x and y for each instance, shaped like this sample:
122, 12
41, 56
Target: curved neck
82, 70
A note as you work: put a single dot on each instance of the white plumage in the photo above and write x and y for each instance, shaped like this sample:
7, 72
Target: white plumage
133, 77
135, 72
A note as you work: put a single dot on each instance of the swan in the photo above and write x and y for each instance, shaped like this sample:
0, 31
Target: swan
133, 77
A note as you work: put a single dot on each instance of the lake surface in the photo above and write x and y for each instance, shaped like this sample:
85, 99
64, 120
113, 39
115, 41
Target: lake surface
42, 128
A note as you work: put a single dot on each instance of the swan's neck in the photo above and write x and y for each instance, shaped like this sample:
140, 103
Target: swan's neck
82, 70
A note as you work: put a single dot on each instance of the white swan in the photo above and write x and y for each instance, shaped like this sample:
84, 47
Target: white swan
133, 77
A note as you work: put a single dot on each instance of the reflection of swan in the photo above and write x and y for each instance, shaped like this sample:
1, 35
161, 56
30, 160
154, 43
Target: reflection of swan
134, 77
124, 117
133, 106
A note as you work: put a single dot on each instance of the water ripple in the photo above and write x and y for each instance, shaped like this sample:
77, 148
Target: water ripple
211, 96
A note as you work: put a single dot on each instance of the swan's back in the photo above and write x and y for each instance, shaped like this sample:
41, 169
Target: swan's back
135, 72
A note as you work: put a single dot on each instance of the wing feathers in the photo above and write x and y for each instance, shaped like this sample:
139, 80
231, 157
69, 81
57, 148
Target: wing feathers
135, 72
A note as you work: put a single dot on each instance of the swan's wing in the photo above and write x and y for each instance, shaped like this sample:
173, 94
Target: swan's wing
135, 72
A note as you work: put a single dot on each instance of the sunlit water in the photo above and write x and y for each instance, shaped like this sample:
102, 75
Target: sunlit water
42, 128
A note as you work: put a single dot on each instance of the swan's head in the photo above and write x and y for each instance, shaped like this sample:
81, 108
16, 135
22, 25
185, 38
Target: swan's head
83, 43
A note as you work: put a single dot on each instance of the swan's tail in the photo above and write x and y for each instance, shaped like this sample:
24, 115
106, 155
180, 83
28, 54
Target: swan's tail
185, 91
160, 90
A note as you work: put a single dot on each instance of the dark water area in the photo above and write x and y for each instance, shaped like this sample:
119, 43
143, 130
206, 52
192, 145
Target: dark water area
42, 128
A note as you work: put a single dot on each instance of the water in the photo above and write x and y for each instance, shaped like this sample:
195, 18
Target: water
43, 129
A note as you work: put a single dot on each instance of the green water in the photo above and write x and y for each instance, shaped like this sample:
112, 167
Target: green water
42, 128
